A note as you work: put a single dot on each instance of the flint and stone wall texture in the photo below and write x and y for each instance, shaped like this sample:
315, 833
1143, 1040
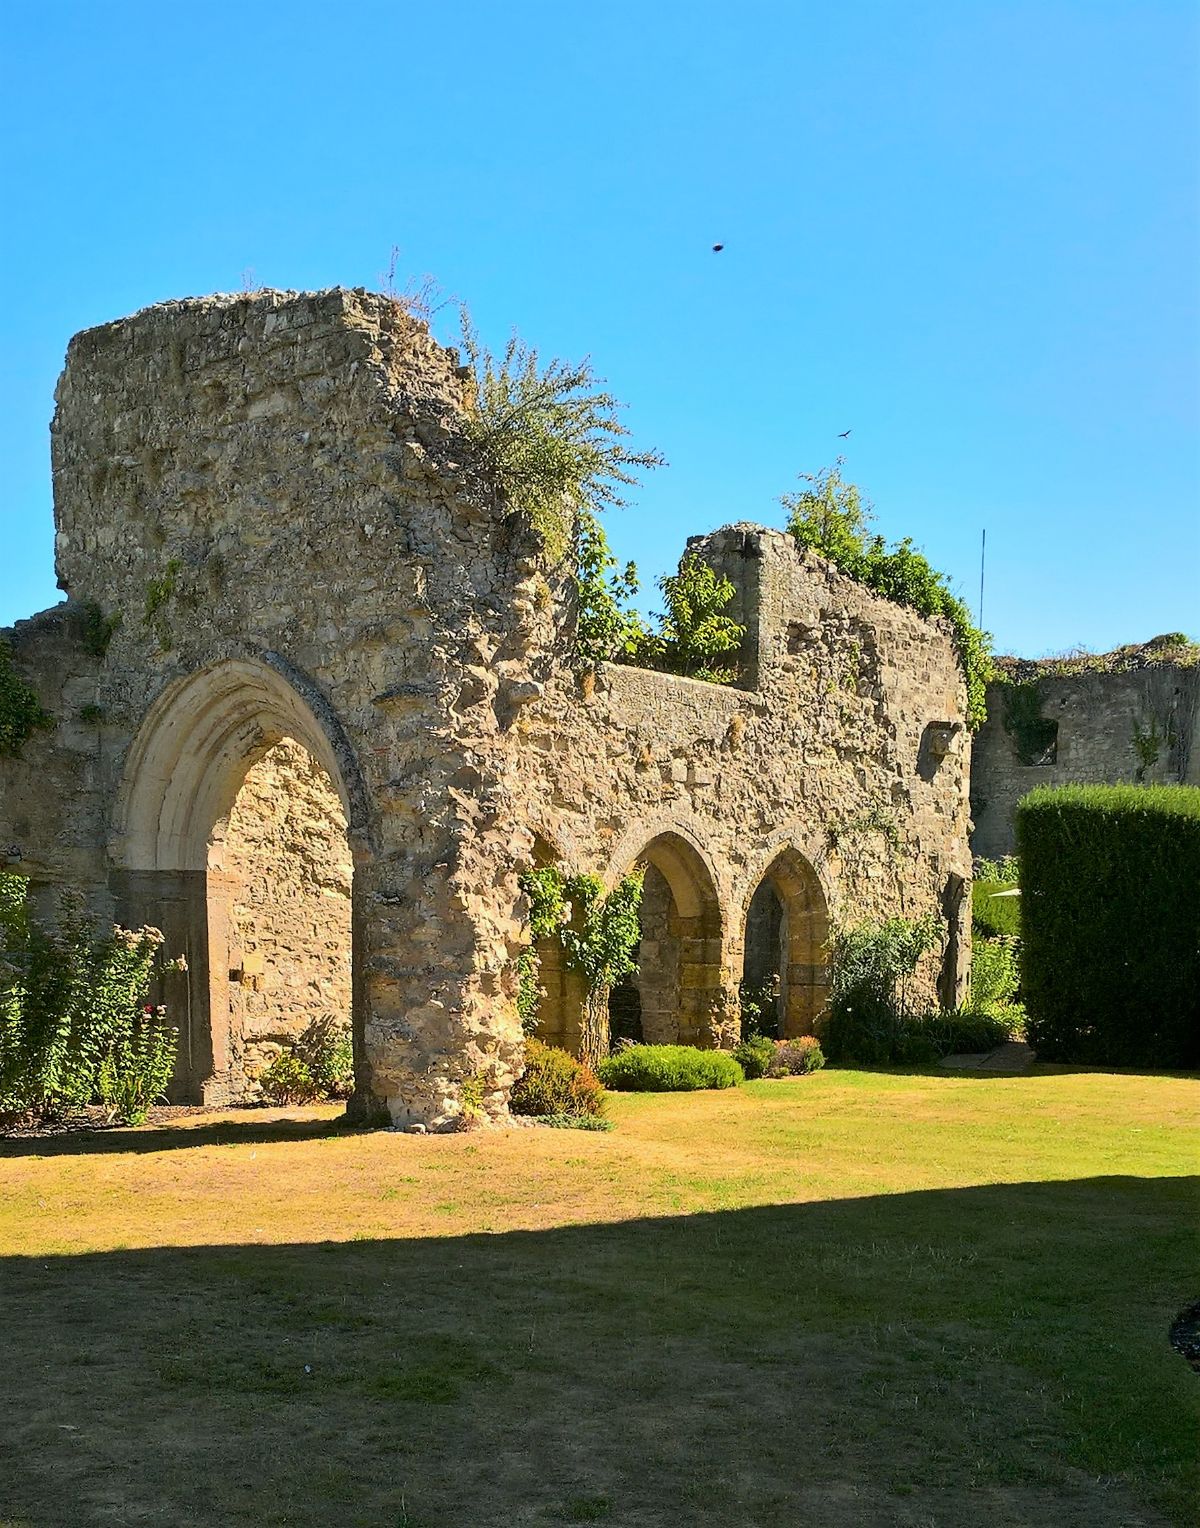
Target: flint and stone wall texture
278, 495
1140, 725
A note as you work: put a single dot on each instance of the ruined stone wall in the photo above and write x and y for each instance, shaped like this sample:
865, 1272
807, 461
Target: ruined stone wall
275, 494
1100, 719
286, 862
278, 497
850, 749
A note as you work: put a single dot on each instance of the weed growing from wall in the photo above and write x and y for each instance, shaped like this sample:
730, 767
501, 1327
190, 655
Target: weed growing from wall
832, 517
21, 713
549, 437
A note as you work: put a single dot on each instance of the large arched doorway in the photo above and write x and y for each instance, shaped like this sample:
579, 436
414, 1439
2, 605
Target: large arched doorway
236, 834
785, 959
678, 994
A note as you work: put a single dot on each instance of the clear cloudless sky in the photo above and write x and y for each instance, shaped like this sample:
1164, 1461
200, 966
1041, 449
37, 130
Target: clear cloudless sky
966, 231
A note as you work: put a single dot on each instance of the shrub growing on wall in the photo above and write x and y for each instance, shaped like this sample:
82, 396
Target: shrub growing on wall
1110, 919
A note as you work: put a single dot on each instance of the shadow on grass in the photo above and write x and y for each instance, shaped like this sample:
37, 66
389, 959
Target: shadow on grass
992, 1354
215, 1131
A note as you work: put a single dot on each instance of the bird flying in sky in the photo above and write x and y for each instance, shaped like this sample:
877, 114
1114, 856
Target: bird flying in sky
717, 248
842, 434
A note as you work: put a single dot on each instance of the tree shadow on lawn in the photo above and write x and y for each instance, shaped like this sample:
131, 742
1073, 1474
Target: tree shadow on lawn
996, 1354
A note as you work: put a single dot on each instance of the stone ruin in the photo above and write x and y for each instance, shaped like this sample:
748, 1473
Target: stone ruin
339, 713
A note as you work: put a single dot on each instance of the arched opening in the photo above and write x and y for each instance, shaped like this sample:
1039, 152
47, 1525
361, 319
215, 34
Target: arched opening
784, 971
236, 834
677, 994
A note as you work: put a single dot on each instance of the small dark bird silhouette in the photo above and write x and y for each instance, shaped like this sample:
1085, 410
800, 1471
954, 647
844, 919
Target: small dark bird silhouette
842, 434
717, 248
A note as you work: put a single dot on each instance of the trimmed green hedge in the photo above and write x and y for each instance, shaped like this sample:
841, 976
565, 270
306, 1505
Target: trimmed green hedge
1110, 923
669, 1069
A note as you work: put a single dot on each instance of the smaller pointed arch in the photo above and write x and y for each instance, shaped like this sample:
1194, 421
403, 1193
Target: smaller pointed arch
786, 941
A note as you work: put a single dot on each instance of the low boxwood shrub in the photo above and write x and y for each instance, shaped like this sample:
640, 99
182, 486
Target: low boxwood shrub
1110, 923
555, 1084
796, 1058
669, 1069
755, 1055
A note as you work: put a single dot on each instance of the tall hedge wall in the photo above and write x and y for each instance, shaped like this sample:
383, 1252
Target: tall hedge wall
1110, 923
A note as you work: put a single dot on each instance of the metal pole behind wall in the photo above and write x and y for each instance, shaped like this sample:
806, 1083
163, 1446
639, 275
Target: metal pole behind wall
982, 560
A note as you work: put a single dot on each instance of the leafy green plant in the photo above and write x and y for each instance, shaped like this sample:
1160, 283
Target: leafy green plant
287, 1080
995, 972
327, 1050
545, 892
72, 1020
759, 1010
831, 516
21, 713
796, 1058
576, 1122
694, 633
548, 437
606, 627
555, 1085
471, 1093
1147, 745
871, 963
134, 1073
669, 1069
598, 934
755, 1055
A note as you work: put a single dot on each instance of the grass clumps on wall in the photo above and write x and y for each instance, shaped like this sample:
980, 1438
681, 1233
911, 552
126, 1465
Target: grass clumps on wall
832, 517
1110, 918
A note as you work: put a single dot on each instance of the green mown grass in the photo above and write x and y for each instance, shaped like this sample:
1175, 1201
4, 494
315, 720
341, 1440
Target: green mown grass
852, 1298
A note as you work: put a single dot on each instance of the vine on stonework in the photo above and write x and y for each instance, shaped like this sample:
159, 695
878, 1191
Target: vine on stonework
598, 934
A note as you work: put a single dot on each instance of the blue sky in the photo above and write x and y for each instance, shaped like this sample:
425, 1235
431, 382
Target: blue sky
966, 231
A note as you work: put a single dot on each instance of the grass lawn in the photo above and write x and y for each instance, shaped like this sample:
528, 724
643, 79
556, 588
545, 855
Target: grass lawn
848, 1299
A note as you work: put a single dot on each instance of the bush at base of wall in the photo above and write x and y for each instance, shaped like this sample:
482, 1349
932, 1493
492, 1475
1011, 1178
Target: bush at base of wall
1110, 921
669, 1069
554, 1085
